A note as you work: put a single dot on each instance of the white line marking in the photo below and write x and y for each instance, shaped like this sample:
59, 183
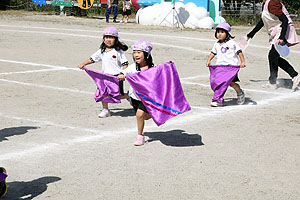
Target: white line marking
31, 71
142, 34
37, 64
47, 87
251, 90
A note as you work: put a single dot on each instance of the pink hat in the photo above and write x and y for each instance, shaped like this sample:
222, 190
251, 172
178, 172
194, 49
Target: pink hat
142, 45
112, 31
224, 26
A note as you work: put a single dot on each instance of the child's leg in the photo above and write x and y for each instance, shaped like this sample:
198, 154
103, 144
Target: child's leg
104, 105
240, 93
236, 87
141, 116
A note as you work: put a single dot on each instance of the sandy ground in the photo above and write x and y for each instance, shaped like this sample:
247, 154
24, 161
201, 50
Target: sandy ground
54, 146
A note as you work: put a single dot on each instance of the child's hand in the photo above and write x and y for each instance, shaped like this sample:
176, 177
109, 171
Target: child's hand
121, 77
242, 65
207, 64
81, 66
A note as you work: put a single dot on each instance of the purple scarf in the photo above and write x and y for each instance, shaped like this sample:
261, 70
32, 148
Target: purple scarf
108, 89
3, 176
160, 90
220, 78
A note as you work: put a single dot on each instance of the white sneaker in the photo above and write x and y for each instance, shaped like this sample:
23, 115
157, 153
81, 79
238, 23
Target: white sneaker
241, 98
121, 21
216, 104
125, 22
104, 113
296, 81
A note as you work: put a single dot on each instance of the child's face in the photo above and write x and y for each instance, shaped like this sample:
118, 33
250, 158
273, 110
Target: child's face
138, 56
221, 34
109, 41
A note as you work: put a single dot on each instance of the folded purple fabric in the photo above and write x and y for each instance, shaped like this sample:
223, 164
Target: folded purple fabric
108, 89
160, 90
3, 176
220, 78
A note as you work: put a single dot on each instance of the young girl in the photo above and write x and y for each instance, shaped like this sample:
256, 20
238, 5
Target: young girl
227, 52
126, 11
280, 28
143, 60
113, 60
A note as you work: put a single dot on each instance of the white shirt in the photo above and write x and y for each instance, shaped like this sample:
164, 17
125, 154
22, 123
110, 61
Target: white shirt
130, 70
226, 52
127, 5
112, 61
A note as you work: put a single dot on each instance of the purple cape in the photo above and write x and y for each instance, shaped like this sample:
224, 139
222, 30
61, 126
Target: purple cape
220, 78
160, 90
108, 89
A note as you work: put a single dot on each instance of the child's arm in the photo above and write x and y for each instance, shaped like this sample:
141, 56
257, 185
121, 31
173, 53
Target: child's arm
210, 57
87, 62
242, 59
125, 66
259, 25
123, 2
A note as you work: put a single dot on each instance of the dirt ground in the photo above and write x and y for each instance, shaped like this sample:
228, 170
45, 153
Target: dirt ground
54, 146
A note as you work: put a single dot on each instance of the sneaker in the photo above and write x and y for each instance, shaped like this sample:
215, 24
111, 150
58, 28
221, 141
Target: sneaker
114, 21
216, 104
104, 113
241, 98
125, 22
121, 21
139, 141
270, 86
296, 81
3, 186
107, 21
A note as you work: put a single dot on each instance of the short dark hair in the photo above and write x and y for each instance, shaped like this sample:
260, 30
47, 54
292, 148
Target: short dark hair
228, 36
118, 45
148, 59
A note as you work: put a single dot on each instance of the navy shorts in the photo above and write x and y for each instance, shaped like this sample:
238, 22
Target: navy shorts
136, 104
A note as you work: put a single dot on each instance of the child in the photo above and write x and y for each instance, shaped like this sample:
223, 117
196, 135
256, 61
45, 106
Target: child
143, 60
280, 28
126, 11
227, 52
113, 60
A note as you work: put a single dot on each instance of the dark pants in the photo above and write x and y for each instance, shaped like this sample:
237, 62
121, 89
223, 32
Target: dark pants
115, 11
276, 61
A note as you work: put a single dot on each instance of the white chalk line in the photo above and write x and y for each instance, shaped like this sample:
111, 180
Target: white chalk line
47, 87
37, 64
31, 71
180, 120
90, 36
135, 34
250, 90
76, 69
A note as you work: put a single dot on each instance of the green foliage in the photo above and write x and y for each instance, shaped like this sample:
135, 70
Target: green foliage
293, 6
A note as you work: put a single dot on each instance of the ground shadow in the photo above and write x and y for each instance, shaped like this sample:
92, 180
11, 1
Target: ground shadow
122, 112
281, 82
233, 102
7, 132
284, 83
28, 190
177, 138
